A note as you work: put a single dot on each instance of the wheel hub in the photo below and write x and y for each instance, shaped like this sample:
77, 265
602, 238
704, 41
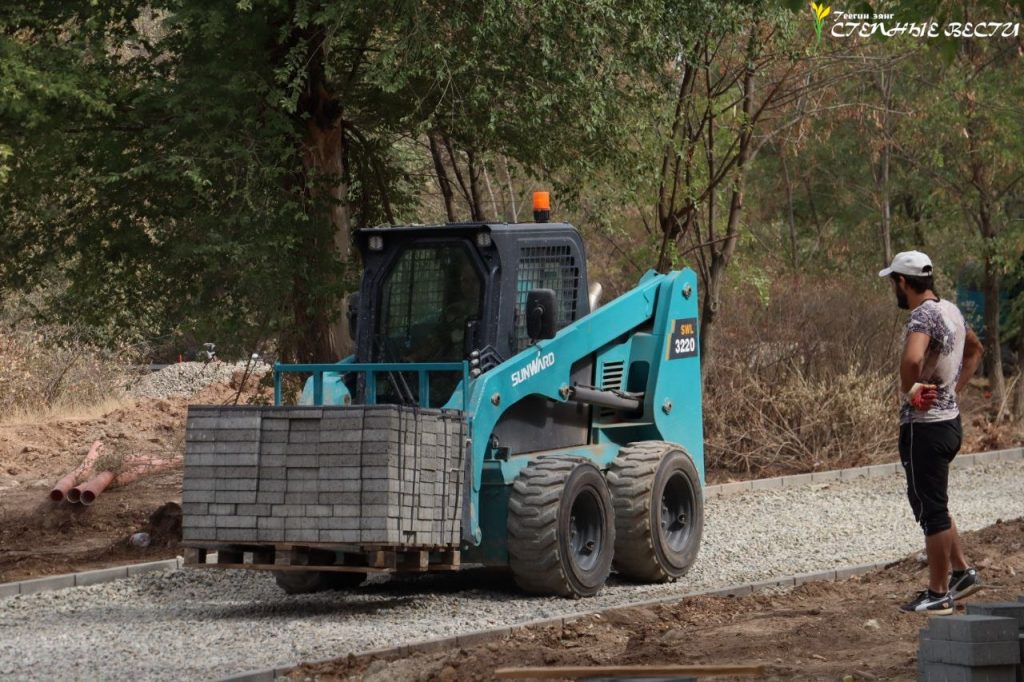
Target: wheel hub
586, 532
676, 511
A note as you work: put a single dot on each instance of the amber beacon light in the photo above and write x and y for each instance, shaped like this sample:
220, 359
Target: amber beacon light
541, 207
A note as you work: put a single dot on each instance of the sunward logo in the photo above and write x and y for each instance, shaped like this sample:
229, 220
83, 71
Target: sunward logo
535, 367
820, 12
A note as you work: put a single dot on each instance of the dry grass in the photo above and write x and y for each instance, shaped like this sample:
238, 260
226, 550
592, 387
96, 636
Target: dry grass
45, 371
805, 382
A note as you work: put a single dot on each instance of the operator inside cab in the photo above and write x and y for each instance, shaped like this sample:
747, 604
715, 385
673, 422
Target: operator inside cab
429, 296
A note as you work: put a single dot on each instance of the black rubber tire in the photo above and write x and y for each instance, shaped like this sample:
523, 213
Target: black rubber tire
561, 527
646, 479
304, 582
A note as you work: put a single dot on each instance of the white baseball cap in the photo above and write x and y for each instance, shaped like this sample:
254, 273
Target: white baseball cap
909, 263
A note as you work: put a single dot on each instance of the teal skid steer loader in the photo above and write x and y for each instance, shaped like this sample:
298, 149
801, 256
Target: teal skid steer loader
493, 413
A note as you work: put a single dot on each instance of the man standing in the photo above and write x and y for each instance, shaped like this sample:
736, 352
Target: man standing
940, 355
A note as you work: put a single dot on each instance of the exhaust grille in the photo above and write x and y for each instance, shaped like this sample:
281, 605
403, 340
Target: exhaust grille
611, 380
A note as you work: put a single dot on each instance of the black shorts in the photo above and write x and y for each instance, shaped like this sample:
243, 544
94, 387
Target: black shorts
926, 449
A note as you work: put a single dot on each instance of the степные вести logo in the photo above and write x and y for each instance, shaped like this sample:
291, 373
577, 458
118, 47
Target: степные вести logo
820, 12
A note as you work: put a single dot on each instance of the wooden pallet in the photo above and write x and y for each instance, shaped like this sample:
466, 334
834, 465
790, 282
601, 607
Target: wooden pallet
338, 558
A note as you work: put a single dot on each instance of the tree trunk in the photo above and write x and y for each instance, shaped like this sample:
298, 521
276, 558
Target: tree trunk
997, 383
442, 177
721, 255
792, 219
885, 79
320, 333
476, 208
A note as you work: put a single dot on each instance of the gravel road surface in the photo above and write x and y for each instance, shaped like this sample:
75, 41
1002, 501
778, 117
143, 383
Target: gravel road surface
202, 624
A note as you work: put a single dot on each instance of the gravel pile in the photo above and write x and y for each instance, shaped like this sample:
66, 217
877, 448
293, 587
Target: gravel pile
184, 379
201, 624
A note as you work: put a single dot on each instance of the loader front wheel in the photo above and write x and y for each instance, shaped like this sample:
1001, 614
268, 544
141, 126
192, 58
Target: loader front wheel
659, 511
561, 528
303, 582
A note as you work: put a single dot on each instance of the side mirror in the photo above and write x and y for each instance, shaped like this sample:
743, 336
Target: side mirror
540, 314
352, 314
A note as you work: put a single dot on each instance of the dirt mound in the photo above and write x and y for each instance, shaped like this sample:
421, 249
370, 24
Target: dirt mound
38, 537
818, 631
164, 527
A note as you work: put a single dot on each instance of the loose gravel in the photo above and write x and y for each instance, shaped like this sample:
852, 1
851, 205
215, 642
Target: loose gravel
203, 624
188, 378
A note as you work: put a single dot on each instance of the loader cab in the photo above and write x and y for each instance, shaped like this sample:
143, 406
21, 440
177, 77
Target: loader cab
442, 293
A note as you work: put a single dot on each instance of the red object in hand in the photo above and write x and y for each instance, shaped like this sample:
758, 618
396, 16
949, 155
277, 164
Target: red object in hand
924, 397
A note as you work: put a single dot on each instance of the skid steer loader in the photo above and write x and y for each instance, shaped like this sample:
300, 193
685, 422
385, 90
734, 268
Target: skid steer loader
492, 413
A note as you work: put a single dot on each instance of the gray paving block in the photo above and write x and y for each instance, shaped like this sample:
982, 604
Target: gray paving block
303, 437
273, 473
9, 590
198, 534
302, 472
338, 535
973, 654
236, 447
194, 508
301, 535
273, 484
253, 509
236, 522
300, 522
943, 672
300, 412
246, 481
972, 628
270, 535
825, 476
199, 521
237, 535
1007, 609
318, 510
205, 496
222, 509
339, 523
303, 486
288, 510
234, 496
347, 510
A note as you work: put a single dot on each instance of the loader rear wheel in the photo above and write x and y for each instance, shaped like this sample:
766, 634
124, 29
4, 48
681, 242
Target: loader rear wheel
659, 511
303, 582
561, 528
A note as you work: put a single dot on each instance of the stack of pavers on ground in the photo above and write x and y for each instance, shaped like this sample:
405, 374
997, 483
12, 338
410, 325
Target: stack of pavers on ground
986, 645
374, 474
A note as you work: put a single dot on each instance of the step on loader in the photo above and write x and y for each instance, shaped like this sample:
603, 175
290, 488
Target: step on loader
493, 413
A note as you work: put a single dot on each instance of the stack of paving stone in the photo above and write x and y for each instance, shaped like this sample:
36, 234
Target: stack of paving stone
374, 474
983, 646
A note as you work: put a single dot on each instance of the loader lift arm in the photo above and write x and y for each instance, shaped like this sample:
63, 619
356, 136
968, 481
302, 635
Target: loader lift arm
671, 402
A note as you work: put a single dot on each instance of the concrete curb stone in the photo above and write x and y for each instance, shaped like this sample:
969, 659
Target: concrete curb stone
872, 471
53, 582
481, 636
102, 575
84, 578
